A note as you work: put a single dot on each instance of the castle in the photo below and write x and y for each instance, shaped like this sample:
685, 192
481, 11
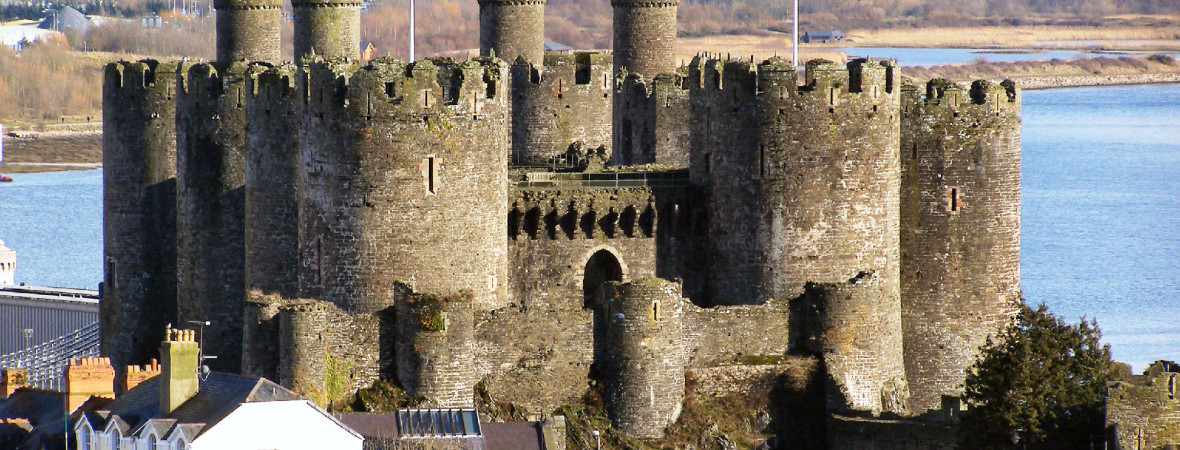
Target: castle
534, 221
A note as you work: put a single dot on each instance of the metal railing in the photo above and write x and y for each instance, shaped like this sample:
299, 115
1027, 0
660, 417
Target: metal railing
551, 180
47, 361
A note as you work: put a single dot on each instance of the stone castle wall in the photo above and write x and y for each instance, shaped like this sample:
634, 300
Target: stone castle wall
1146, 415
139, 209
960, 157
566, 100
211, 201
652, 121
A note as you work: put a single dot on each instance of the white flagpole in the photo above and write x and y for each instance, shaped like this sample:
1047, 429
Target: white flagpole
795, 37
411, 30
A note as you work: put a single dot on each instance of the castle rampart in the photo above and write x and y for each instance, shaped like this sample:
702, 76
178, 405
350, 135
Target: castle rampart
248, 30
960, 244
211, 177
327, 28
566, 100
139, 208
396, 181
511, 29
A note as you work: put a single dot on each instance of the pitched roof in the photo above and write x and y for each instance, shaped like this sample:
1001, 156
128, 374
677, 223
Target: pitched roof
67, 18
217, 396
380, 432
556, 46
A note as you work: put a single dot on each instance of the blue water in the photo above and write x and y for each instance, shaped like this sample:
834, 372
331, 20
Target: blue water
936, 56
1100, 211
54, 222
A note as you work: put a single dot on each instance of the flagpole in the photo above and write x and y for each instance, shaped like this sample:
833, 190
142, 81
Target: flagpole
794, 36
411, 30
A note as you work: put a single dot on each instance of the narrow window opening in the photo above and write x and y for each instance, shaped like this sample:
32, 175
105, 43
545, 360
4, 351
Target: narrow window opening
655, 311
954, 199
317, 269
761, 160
431, 174
240, 99
914, 152
391, 90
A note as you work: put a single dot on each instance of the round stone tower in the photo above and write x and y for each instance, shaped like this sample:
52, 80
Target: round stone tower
854, 326
139, 209
211, 175
272, 207
793, 199
434, 347
645, 36
403, 177
512, 28
960, 238
248, 30
302, 352
645, 356
327, 28
7, 265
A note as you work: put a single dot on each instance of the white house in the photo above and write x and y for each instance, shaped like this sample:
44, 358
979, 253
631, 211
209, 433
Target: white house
185, 409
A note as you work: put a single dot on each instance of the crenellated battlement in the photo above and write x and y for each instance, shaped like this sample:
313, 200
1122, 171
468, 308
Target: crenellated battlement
140, 75
385, 85
775, 78
946, 94
562, 72
266, 83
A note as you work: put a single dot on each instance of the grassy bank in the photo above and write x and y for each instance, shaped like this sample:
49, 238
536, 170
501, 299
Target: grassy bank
1117, 37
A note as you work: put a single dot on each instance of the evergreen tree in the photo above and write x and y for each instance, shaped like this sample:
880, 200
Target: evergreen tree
1040, 384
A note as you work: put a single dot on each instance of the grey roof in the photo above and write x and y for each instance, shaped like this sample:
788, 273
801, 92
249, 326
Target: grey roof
67, 19
380, 432
45, 412
825, 34
551, 46
217, 396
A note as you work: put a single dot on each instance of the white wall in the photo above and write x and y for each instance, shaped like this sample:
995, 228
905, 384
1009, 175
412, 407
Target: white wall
288, 425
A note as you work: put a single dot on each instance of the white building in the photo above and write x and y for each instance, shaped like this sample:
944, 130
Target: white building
7, 265
183, 409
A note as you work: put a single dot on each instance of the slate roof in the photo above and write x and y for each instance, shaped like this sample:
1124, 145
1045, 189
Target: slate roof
380, 432
551, 46
217, 397
45, 411
67, 19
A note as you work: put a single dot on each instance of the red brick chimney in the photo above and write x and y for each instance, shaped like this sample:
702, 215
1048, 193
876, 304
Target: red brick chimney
11, 380
139, 374
88, 377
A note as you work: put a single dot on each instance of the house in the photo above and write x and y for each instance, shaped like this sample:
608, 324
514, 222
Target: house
822, 37
558, 47
368, 51
188, 408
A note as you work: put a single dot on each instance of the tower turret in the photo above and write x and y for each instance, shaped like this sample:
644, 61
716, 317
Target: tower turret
435, 347
645, 36
327, 28
960, 235
646, 356
403, 177
248, 30
211, 174
512, 28
139, 209
7, 265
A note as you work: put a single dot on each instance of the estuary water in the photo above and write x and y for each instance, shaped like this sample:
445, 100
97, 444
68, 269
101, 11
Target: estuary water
1100, 211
